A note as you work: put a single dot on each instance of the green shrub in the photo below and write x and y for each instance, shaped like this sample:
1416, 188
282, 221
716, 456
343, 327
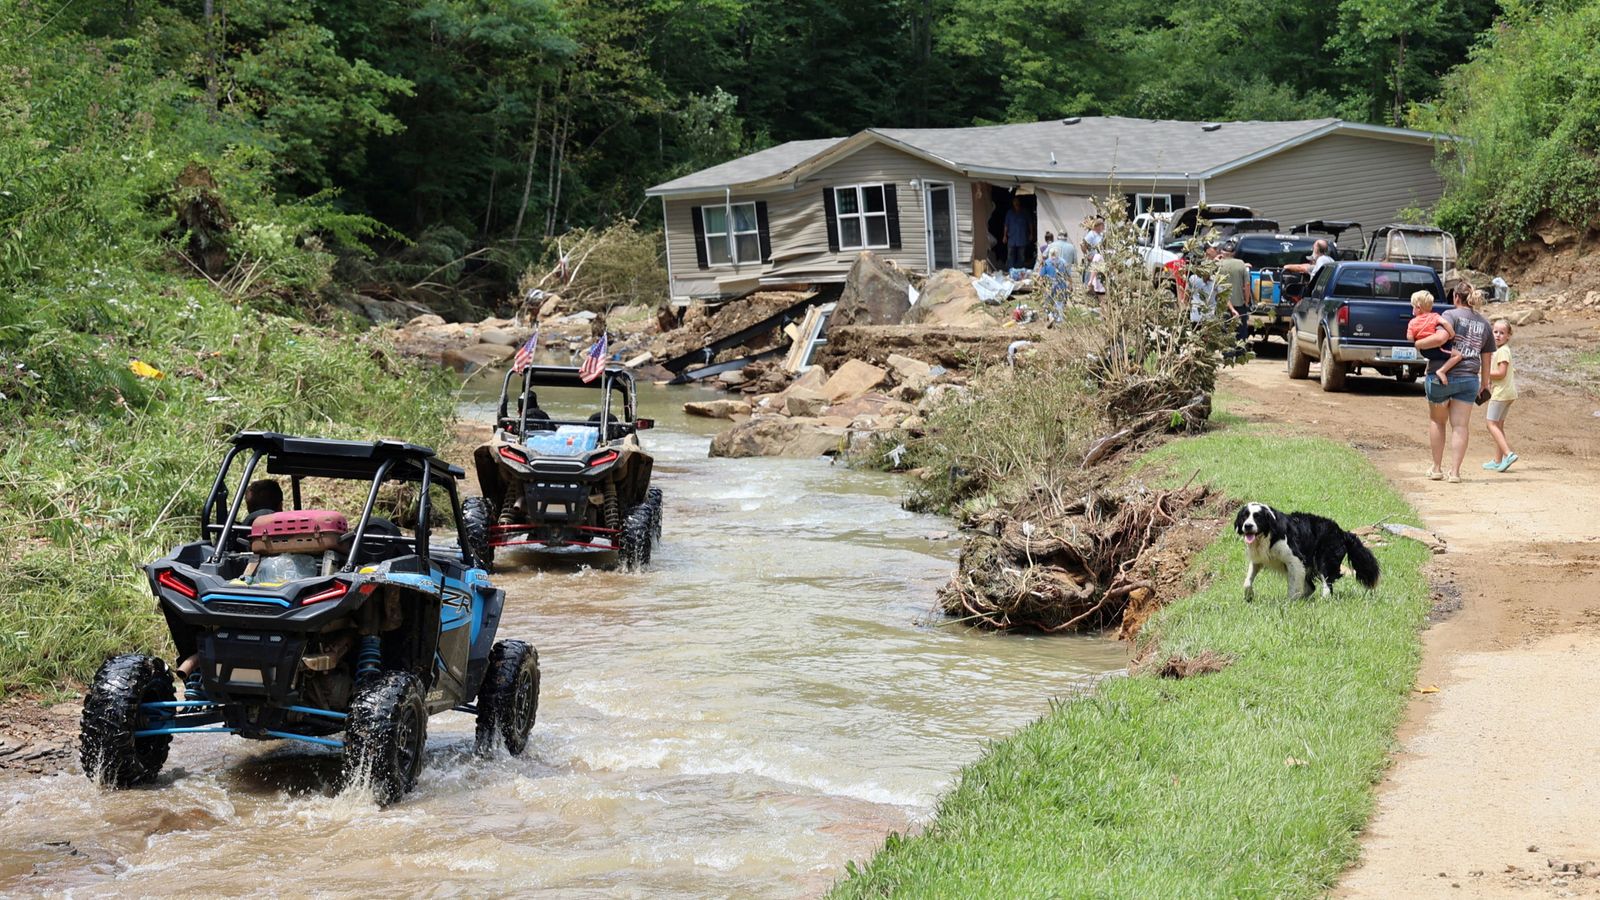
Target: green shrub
1527, 107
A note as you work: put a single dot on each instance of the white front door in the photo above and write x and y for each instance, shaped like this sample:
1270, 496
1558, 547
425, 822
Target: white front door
939, 212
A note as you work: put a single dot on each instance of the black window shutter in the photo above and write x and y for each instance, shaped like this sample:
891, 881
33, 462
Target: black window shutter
833, 221
765, 233
893, 209
1132, 202
699, 238
1178, 201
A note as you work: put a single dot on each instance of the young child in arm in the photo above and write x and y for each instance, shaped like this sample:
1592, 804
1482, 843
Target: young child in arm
1424, 322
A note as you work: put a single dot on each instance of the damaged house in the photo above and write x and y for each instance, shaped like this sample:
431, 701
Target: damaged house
933, 198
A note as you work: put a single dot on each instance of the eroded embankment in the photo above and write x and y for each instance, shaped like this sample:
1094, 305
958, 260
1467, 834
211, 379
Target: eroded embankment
1253, 780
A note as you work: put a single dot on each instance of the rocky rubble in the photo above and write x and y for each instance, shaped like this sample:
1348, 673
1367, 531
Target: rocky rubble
470, 346
819, 414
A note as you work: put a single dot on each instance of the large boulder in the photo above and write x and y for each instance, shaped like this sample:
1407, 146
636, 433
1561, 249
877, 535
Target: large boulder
804, 402
773, 436
470, 359
853, 379
497, 335
949, 299
875, 293
717, 409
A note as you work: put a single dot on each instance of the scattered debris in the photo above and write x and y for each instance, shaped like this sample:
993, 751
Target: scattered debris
1410, 532
1205, 662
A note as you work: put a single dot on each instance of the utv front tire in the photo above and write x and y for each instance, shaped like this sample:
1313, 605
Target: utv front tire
107, 748
656, 500
508, 702
634, 547
476, 518
385, 735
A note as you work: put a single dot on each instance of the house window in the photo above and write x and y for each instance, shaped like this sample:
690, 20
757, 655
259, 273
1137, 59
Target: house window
862, 216
1152, 203
741, 243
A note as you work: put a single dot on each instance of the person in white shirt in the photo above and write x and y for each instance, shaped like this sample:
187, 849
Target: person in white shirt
1319, 258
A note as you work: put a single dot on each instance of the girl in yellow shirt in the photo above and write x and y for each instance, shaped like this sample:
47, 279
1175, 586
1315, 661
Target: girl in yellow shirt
1503, 376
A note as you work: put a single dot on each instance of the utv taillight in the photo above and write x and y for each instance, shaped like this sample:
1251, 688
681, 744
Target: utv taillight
338, 590
174, 582
602, 459
513, 455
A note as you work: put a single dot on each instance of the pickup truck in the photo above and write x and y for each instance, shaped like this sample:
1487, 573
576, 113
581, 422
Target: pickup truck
1354, 315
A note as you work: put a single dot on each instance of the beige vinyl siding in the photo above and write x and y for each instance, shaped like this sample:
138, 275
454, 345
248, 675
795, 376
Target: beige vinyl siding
799, 231
1361, 179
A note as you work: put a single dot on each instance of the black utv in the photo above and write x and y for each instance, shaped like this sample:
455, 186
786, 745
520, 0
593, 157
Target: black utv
568, 485
289, 623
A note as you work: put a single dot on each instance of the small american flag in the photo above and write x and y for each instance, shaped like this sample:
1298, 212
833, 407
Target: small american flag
524, 357
594, 361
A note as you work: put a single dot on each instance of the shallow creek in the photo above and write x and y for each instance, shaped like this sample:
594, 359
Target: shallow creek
761, 705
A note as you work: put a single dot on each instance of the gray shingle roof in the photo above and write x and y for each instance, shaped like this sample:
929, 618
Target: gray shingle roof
761, 164
1099, 144
1092, 147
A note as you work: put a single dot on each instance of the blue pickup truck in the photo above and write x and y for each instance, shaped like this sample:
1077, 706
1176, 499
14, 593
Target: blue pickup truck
1354, 316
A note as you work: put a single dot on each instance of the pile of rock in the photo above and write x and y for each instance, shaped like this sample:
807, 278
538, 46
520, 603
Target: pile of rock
469, 346
820, 414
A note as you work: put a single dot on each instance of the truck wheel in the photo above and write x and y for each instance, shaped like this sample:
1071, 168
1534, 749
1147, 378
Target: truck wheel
656, 499
634, 547
508, 702
107, 748
476, 516
385, 735
1299, 363
1332, 371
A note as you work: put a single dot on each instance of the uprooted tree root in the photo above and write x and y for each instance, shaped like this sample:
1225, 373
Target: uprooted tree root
1058, 566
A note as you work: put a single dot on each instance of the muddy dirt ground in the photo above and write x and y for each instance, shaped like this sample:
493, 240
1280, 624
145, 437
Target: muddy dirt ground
1492, 792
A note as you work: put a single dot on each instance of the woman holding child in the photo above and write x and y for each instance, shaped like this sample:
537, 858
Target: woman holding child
1466, 363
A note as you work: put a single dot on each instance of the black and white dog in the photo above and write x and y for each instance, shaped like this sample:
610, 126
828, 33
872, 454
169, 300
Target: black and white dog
1304, 547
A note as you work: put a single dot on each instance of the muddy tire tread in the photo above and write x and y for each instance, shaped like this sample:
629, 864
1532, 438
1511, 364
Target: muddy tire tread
107, 748
497, 720
372, 735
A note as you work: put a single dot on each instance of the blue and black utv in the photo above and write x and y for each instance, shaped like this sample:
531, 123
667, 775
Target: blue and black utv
290, 624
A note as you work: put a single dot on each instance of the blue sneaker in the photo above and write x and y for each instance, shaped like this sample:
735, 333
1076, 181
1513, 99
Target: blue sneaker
1506, 463
1492, 465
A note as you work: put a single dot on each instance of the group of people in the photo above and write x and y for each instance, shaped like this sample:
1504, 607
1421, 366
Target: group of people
1056, 257
1228, 285
1469, 363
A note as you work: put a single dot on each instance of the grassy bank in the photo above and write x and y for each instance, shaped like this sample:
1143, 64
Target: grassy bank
1252, 781
103, 469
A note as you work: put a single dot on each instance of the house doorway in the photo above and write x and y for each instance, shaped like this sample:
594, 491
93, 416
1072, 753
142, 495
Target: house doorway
939, 205
1000, 198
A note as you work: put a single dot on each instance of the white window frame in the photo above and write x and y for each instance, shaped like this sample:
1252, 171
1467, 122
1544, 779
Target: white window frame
1141, 204
730, 237
861, 215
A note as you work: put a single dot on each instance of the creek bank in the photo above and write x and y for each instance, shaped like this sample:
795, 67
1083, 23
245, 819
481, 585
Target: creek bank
1267, 760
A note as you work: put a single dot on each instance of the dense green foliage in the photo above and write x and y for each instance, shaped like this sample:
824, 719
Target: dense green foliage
122, 369
1251, 782
511, 120
1528, 108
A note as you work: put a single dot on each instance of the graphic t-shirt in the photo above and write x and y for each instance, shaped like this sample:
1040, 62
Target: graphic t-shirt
1474, 337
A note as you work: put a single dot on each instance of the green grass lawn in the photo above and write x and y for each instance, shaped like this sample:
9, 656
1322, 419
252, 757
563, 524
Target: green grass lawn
1252, 782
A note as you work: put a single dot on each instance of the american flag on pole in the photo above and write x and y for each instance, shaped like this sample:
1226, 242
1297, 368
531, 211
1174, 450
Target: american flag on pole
594, 361
524, 357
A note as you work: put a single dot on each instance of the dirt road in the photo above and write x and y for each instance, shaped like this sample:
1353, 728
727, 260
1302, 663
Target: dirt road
1494, 790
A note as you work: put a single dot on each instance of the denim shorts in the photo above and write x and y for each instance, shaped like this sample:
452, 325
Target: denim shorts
1461, 387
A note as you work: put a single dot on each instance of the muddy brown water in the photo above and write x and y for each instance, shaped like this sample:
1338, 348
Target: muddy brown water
763, 704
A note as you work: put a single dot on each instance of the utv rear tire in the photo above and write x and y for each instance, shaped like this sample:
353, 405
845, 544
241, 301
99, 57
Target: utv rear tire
476, 518
1331, 372
508, 702
385, 735
634, 548
1299, 363
109, 752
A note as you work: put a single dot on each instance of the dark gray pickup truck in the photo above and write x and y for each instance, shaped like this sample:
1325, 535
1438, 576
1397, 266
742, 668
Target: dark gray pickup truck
1354, 316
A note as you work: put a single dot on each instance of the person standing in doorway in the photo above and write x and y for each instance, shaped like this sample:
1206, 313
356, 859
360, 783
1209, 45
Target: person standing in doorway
1018, 235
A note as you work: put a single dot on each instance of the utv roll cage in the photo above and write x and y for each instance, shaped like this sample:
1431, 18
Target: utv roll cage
376, 462
613, 382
